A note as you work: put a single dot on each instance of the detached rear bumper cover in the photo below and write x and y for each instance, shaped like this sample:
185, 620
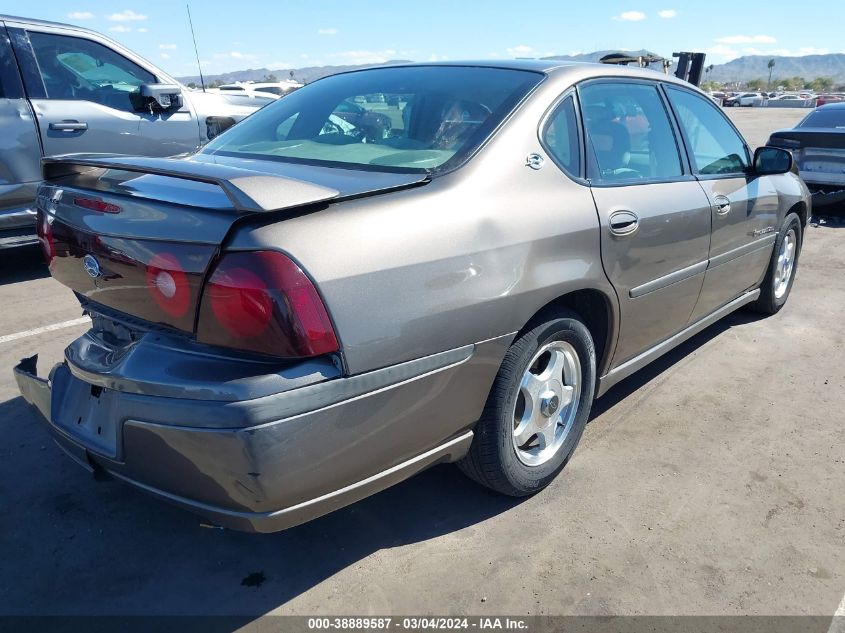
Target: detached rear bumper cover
828, 197
272, 475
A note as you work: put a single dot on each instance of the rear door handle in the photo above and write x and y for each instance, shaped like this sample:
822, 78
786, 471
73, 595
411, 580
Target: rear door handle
723, 205
69, 126
623, 222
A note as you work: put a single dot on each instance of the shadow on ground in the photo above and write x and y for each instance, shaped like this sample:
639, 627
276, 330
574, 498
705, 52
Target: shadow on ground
75, 546
648, 373
829, 220
22, 264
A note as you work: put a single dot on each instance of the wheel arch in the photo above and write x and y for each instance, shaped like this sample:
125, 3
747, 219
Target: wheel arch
801, 209
598, 311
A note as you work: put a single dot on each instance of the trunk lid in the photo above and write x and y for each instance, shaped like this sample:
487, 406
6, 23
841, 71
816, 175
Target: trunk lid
139, 235
819, 154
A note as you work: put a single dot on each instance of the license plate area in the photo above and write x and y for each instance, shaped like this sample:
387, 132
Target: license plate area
85, 412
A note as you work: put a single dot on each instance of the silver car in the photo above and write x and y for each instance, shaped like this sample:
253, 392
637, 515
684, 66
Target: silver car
396, 267
67, 89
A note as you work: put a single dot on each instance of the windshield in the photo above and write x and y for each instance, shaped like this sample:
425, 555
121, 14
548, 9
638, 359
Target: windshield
834, 117
420, 118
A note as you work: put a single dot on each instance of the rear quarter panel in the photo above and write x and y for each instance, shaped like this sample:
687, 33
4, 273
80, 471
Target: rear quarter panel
20, 155
471, 256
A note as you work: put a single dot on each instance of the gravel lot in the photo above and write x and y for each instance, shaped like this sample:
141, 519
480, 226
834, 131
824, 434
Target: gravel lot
710, 483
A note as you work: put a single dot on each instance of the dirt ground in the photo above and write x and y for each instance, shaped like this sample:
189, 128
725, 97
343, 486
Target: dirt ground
710, 483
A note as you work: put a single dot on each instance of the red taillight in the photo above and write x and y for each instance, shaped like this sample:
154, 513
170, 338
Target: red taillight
93, 204
45, 237
168, 284
261, 301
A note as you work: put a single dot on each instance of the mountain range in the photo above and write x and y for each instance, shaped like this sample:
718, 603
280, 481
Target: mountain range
740, 69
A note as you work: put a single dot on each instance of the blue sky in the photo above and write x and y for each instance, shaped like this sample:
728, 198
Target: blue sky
239, 34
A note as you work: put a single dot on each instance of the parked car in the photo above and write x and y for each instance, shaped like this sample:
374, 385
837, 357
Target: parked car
818, 145
744, 99
784, 101
829, 98
718, 97
270, 89
301, 314
66, 89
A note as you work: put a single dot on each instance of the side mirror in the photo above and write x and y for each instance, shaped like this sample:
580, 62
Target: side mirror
771, 160
160, 97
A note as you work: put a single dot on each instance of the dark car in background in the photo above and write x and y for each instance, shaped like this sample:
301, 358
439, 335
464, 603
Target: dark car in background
817, 144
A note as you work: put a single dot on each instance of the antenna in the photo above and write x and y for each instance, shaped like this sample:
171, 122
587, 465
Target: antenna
196, 52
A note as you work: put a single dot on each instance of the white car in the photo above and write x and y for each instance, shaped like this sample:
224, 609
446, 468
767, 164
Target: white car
271, 89
791, 100
745, 99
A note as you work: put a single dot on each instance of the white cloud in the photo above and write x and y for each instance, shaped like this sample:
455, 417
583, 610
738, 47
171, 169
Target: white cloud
786, 52
327, 31
364, 57
165, 56
521, 50
812, 50
434, 57
236, 55
630, 16
167, 47
667, 14
746, 39
728, 48
80, 15
721, 53
120, 29
126, 16
142, 30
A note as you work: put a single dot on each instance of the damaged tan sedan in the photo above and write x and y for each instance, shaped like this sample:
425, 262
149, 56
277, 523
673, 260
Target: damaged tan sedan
397, 267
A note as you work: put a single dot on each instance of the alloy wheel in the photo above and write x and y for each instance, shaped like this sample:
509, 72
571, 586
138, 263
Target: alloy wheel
547, 403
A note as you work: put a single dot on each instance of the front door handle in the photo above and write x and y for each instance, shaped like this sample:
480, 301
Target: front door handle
69, 126
723, 205
623, 222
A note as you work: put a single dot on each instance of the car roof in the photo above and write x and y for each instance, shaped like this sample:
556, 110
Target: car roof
14, 18
546, 66
554, 68
833, 106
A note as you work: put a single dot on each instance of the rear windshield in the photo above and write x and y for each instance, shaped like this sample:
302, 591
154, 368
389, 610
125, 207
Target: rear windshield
422, 118
835, 118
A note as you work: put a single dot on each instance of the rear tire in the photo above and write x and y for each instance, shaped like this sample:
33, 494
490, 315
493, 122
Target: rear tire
775, 289
537, 409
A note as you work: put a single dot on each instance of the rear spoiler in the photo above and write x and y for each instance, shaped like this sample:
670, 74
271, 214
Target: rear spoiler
248, 191
808, 137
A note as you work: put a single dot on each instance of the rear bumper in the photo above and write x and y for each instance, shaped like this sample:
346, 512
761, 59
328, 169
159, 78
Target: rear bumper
827, 196
300, 454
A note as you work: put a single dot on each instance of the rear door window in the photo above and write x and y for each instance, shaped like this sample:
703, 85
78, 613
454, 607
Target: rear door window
629, 136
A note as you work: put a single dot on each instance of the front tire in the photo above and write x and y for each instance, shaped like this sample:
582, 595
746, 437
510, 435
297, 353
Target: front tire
780, 276
537, 409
